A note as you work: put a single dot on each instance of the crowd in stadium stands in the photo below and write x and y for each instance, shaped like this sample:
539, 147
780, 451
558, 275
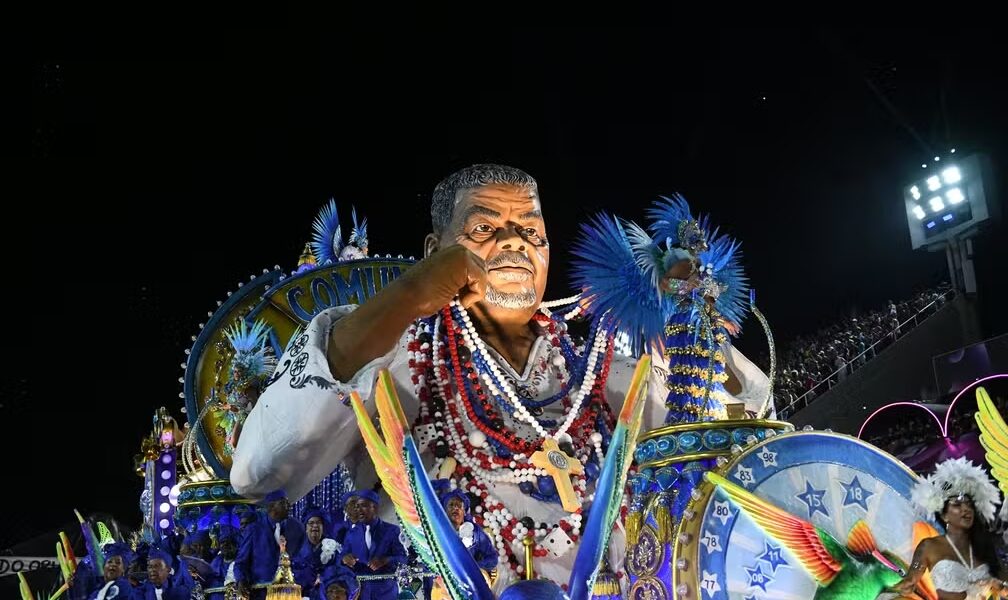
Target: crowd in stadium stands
837, 350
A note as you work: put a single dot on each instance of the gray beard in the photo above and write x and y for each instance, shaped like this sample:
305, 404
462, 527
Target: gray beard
513, 300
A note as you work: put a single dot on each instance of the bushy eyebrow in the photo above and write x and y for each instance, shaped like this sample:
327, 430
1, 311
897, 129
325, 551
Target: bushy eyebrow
476, 209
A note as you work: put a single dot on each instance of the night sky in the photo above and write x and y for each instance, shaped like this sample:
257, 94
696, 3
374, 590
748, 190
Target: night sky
164, 179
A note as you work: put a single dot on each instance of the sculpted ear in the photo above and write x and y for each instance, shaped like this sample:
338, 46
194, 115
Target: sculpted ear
431, 244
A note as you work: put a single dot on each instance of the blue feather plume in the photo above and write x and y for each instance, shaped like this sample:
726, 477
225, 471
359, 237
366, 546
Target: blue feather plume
247, 339
327, 241
647, 255
622, 293
358, 235
725, 258
251, 345
665, 216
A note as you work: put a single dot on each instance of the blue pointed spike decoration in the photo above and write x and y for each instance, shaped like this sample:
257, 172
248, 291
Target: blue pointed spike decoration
327, 239
358, 235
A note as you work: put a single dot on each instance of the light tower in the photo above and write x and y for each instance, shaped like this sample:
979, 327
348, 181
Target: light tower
946, 205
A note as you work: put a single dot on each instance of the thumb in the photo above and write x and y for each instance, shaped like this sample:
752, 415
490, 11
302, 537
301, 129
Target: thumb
472, 293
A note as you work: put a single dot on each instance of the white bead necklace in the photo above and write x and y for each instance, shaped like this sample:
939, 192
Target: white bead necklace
498, 385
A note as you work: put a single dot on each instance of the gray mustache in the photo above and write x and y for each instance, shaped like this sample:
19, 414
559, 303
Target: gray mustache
510, 259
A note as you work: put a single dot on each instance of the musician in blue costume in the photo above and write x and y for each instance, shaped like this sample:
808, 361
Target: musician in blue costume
318, 551
338, 583
345, 516
222, 566
481, 548
372, 547
475, 540
160, 584
259, 550
118, 557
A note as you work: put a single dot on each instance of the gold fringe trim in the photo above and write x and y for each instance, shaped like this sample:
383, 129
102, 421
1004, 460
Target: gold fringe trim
665, 523
634, 520
283, 591
605, 588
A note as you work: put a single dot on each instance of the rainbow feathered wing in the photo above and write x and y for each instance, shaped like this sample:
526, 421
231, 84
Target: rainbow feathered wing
397, 461
994, 439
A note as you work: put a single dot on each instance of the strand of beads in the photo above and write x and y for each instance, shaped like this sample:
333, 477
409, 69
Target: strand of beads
467, 447
569, 301
496, 382
505, 529
581, 426
465, 378
489, 367
450, 387
508, 531
560, 302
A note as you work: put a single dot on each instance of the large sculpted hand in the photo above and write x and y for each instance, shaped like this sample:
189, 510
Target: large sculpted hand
451, 271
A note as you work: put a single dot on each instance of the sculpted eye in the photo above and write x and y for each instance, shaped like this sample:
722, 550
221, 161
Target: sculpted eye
533, 236
483, 228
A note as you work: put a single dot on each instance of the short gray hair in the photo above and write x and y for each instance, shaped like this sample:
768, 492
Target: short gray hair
443, 199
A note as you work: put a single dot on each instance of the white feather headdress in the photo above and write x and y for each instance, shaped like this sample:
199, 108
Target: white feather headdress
952, 478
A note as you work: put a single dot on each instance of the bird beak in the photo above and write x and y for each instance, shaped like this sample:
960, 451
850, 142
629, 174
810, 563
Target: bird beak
888, 563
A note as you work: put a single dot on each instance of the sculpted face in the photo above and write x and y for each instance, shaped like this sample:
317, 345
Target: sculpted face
503, 225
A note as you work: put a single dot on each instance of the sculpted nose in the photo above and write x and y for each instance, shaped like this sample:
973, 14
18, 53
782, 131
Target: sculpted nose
508, 238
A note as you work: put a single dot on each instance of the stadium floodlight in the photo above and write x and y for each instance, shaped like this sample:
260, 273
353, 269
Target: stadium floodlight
960, 186
951, 175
